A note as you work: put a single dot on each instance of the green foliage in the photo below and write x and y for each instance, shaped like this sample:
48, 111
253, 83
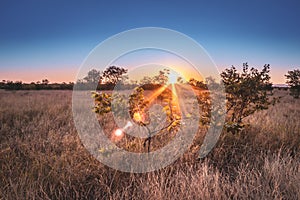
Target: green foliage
138, 108
293, 80
138, 105
105, 103
171, 110
102, 102
210, 104
246, 93
204, 102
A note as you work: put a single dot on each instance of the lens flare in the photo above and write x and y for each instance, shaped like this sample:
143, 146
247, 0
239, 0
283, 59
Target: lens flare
118, 132
129, 124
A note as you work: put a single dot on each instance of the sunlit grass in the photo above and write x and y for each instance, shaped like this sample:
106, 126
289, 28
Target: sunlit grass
42, 157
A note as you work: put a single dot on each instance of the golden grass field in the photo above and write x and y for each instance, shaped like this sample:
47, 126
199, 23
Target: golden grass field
42, 157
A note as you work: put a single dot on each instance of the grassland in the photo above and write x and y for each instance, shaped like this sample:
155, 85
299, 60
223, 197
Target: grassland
42, 157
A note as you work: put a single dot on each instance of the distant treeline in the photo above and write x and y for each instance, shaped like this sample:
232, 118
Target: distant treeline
19, 85
109, 86
44, 85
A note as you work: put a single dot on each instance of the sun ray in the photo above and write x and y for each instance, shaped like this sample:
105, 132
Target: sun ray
180, 90
156, 93
175, 103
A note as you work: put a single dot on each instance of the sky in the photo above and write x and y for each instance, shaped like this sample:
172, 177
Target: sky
148, 62
50, 39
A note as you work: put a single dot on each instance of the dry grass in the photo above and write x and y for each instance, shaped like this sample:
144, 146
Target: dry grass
41, 157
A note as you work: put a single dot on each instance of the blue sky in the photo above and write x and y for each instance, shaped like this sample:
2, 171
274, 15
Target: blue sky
50, 39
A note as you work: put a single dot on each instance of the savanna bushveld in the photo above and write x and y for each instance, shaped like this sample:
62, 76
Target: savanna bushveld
256, 157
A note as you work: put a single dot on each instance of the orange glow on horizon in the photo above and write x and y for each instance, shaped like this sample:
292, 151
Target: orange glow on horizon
68, 74
64, 74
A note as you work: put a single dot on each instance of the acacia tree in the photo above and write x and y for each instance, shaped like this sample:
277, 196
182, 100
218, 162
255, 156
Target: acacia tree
246, 93
293, 80
113, 74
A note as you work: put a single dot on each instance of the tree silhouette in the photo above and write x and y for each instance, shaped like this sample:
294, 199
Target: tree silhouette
45, 81
162, 78
146, 80
93, 76
113, 74
180, 80
293, 80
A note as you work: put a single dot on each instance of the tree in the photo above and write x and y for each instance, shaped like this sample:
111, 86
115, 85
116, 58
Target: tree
2, 84
246, 93
138, 108
113, 74
162, 78
45, 81
293, 80
198, 84
93, 76
180, 80
146, 80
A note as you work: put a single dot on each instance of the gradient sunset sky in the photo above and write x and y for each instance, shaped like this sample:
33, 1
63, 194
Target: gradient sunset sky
50, 39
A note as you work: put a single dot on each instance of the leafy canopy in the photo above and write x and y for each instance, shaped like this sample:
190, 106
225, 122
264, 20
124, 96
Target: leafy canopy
246, 93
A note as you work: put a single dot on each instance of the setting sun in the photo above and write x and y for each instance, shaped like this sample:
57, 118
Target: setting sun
173, 78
